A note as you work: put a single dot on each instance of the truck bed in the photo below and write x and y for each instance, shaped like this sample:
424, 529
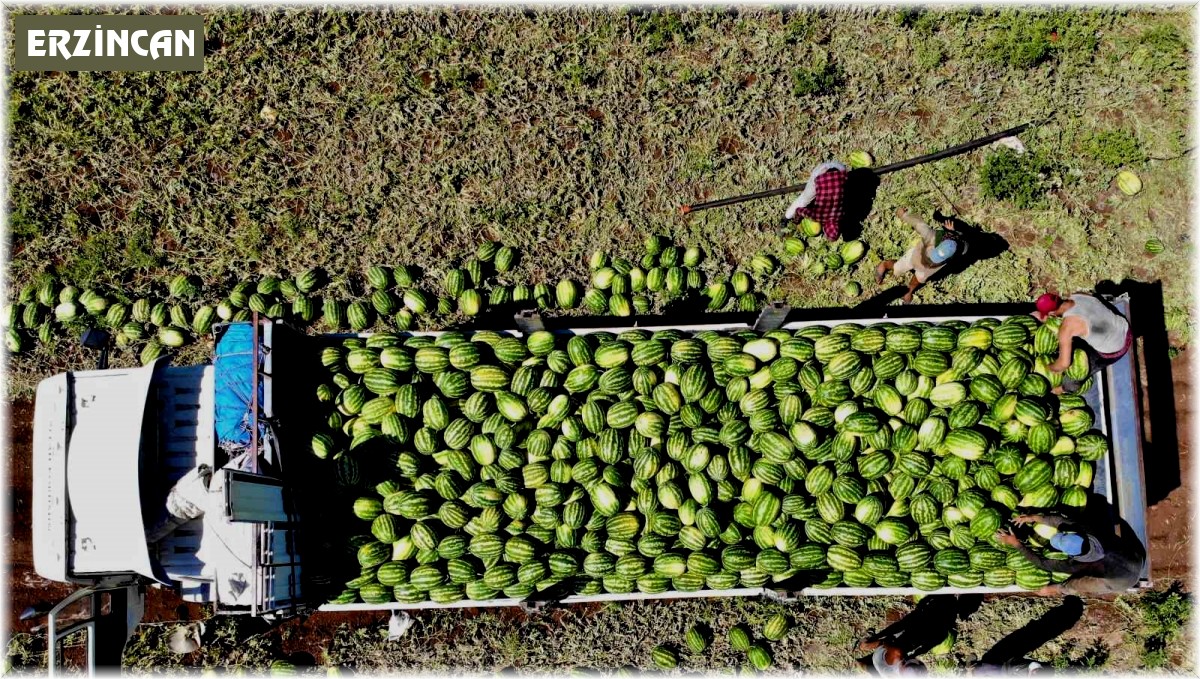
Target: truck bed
1118, 477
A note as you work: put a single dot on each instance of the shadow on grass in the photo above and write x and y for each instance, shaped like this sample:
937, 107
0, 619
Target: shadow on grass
861, 187
1015, 646
928, 625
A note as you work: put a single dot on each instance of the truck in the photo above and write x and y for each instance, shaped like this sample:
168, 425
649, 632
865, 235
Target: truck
226, 445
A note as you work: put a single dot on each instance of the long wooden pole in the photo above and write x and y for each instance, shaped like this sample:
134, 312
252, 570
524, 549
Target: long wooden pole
929, 158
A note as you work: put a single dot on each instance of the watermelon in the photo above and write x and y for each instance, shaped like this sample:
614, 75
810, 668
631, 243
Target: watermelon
664, 657
968, 444
1033, 474
760, 656
843, 558
860, 158
1129, 183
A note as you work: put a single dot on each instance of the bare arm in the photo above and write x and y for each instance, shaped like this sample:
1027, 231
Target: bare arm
1052, 565
1044, 519
922, 229
1066, 334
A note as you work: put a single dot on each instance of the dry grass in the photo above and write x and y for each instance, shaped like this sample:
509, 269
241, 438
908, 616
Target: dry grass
341, 139
1129, 633
401, 136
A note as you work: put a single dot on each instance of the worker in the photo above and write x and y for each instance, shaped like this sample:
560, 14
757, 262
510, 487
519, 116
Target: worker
823, 198
893, 649
887, 659
1089, 324
923, 259
1098, 560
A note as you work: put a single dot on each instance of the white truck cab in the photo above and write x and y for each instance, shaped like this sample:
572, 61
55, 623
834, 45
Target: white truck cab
164, 476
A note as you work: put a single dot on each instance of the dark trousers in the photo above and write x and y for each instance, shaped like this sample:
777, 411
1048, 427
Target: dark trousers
1096, 363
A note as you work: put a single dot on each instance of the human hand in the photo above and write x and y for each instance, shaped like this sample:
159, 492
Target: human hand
901, 212
1023, 519
908, 298
1005, 536
949, 224
1058, 366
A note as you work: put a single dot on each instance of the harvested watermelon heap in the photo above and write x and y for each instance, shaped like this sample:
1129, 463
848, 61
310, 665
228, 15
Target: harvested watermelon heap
392, 298
482, 465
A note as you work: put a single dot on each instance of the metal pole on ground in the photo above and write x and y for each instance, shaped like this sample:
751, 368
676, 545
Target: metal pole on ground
886, 169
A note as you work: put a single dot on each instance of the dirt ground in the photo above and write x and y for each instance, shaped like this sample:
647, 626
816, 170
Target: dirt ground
1169, 520
1168, 524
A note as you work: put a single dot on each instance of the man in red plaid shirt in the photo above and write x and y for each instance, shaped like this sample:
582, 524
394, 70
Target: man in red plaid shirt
823, 198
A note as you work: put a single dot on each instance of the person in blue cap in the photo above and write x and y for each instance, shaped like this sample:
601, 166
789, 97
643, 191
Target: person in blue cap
1098, 561
923, 259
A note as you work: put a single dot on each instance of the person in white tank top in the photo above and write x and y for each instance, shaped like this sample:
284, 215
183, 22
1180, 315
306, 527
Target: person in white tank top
1090, 325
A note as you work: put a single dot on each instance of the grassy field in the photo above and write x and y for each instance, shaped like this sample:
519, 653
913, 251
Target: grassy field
342, 139
1129, 633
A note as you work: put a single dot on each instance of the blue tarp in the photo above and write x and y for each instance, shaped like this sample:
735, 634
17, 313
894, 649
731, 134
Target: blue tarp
233, 368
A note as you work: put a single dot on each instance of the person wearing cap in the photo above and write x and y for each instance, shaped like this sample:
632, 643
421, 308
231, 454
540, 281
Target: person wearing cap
923, 259
823, 198
1088, 324
1099, 562
888, 660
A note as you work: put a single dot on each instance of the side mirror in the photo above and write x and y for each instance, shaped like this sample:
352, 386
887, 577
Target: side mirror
35, 611
97, 338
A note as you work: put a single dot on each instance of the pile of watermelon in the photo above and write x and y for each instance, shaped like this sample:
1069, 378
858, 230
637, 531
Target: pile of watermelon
482, 465
816, 255
383, 297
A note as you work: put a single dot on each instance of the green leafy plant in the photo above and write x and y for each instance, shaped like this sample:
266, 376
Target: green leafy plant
1162, 50
929, 54
824, 79
801, 27
1114, 148
579, 75
1021, 46
1073, 655
455, 77
658, 30
1163, 38
919, 20
1165, 613
1020, 179
1021, 40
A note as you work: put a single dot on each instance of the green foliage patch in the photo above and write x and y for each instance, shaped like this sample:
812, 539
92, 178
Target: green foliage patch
1115, 148
1018, 178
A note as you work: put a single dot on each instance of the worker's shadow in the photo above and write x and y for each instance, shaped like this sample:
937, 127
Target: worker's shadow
927, 625
977, 246
1014, 647
858, 201
936, 616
